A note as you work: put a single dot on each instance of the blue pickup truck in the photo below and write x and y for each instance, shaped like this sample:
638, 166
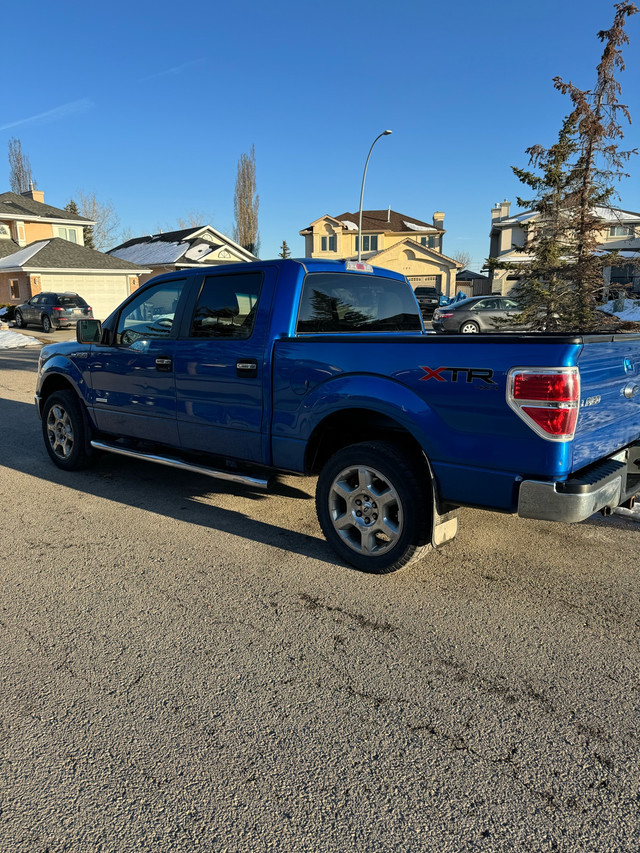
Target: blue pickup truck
324, 367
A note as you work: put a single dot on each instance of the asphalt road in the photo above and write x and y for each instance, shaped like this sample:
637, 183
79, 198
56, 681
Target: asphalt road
186, 667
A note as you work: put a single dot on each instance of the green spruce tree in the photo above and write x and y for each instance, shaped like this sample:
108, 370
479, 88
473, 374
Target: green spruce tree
561, 271
284, 252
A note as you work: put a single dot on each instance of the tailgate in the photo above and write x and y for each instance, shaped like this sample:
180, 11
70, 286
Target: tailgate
609, 415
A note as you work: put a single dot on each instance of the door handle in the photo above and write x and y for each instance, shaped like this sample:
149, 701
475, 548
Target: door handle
164, 363
247, 368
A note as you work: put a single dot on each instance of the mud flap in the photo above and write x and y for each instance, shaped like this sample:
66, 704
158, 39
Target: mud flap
444, 528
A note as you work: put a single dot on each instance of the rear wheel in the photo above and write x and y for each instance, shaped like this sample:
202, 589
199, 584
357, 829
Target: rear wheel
373, 508
65, 431
19, 320
469, 328
46, 323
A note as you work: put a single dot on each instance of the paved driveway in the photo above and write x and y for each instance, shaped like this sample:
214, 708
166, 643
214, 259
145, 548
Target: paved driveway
186, 667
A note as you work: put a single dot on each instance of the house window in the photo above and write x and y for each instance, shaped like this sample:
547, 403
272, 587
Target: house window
620, 231
15, 288
328, 244
68, 234
369, 243
429, 242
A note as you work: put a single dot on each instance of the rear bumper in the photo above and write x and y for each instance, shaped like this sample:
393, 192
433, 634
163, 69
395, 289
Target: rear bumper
604, 485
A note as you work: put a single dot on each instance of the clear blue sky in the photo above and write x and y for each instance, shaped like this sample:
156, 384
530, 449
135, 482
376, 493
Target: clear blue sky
150, 104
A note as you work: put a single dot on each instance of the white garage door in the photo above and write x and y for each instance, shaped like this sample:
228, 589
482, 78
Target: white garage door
102, 292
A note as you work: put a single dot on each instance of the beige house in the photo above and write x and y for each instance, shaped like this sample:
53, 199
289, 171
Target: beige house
389, 239
620, 232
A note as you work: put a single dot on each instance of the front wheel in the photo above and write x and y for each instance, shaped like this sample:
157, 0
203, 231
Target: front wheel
46, 324
19, 320
65, 432
373, 507
469, 328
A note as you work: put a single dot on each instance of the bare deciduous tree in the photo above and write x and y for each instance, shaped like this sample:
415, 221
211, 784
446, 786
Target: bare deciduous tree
245, 204
102, 235
193, 219
20, 176
463, 258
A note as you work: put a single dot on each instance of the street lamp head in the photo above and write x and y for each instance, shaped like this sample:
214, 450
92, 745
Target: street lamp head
386, 132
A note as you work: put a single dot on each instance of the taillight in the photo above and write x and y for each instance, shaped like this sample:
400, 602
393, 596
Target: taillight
547, 399
442, 315
58, 309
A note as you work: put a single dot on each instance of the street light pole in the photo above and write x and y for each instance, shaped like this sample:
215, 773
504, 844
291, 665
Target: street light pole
384, 133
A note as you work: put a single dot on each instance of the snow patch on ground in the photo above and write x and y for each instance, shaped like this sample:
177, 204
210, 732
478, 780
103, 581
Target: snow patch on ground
11, 340
629, 311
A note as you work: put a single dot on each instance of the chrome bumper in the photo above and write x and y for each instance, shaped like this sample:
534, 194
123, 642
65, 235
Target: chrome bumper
602, 486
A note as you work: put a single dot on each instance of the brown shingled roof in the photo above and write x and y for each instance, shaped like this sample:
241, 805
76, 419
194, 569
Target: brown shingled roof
19, 205
383, 220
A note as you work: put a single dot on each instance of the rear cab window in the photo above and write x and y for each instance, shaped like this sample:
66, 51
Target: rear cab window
355, 303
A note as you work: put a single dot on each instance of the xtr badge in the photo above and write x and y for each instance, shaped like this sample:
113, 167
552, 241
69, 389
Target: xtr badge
453, 373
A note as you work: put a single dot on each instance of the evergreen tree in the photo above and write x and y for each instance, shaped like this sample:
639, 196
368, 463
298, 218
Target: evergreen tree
284, 252
563, 270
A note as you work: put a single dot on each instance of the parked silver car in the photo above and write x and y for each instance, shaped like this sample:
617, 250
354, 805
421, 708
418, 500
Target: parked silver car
52, 311
477, 314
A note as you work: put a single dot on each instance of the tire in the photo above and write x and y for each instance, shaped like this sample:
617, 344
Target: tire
46, 324
65, 431
18, 319
374, 477
469, 328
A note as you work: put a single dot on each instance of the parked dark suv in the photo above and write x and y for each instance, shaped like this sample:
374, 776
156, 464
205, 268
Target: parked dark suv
52, 311
428, 300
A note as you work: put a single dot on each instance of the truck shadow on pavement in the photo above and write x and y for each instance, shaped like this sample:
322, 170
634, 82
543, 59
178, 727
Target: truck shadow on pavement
184, 496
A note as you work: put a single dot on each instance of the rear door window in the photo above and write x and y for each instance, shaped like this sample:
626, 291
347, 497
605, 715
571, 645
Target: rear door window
348, 302
226, 306
487, 305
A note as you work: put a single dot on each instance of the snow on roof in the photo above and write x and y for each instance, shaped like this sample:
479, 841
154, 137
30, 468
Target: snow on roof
200, 251
21, 257
157, 252
607, 214
350, 226
613, 214
413, 226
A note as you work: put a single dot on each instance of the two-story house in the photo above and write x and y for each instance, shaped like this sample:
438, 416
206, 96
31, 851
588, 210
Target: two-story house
389, 239
42, 249
620, 232
25, 218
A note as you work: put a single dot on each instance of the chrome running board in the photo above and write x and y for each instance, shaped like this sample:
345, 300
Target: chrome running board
245, 480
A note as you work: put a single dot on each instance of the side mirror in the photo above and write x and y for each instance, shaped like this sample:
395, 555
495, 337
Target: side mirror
89, 331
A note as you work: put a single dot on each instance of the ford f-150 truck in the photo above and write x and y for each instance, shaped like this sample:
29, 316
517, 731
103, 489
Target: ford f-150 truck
324, 367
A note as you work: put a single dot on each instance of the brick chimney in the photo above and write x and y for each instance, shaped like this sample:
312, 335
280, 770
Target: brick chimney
438, 219
34, 194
